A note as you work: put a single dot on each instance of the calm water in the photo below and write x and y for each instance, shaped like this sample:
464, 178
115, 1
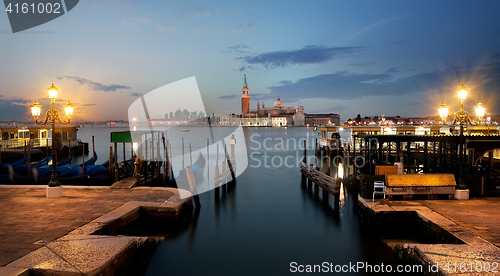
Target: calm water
264, 223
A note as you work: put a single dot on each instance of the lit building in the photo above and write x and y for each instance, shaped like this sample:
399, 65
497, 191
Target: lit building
322, 119
277, 116
245, 98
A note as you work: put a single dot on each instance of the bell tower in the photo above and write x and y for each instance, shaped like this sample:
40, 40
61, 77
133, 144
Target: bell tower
245, 98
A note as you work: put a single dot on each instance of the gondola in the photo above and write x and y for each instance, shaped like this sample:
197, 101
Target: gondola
23, 168
70, 174
4, 167
197, 168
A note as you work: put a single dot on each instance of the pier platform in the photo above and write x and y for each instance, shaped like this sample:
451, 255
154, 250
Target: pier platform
473, 224
29, 221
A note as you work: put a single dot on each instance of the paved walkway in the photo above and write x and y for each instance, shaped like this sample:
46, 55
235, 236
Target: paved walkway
480, 216
27, 216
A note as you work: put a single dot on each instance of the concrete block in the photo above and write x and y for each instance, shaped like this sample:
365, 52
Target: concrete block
54, 192
462, 194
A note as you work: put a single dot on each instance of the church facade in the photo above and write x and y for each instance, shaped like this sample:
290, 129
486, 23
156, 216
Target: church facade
277, 115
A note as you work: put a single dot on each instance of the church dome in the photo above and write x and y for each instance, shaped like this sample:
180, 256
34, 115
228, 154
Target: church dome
279, 103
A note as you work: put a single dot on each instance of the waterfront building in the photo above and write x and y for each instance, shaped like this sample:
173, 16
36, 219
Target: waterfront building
15, 137
322, 119
277, 116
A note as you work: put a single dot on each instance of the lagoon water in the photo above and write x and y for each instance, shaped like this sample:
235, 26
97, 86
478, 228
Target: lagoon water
266, 221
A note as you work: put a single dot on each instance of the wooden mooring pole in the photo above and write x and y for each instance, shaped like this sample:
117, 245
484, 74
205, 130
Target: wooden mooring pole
110, 163
83, 163
208, 159
69, 151
165, 159
158, 160
192, 185
29, 158
116, 161
304, 179
316, 153
216, 172
93, 150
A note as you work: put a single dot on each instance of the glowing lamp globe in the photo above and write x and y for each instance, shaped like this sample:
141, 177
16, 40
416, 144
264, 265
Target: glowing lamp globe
36, 109
443, 111
480, 110
68, 109
52, 92
462, 93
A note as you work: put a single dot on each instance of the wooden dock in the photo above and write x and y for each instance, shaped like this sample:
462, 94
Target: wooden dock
312, 174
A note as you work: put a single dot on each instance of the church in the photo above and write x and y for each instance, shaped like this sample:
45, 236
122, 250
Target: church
277, 115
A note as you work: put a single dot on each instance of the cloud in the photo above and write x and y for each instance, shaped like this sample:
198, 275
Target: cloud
97, 86
392, 70
236, 49
401, 42
13, 108
91, 104
238, 46
497, 55
136, 21
346, 86
228, 97
337, 108
371, 26
244, 68
164, 27
254, 96
362, 64
308, 55
136, 94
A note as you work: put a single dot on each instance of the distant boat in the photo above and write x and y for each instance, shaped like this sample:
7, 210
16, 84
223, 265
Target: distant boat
185, 130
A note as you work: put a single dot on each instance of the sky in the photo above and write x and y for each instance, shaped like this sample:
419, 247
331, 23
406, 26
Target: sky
347, 57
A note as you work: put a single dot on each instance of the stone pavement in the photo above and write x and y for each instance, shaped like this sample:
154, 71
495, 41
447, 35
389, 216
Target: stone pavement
476, 222
479, 215
28, 217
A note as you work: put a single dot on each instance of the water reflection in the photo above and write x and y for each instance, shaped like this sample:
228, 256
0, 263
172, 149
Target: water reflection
267, 220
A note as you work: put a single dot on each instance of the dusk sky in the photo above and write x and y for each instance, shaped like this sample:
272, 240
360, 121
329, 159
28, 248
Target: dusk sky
347, 57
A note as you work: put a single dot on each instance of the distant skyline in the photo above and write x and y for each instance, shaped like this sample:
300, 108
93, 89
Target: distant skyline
346, 57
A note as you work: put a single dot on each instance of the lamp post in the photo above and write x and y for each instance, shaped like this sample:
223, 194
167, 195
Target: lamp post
55, 188
462, 117
443, 112
489, 120
480, 109
383, 124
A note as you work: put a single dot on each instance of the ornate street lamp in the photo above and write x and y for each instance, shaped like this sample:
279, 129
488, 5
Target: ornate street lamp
489, 120
52, 115
443, 112
383, 124
480, 109
462, 117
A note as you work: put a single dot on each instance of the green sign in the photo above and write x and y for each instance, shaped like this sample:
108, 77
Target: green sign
121, 137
